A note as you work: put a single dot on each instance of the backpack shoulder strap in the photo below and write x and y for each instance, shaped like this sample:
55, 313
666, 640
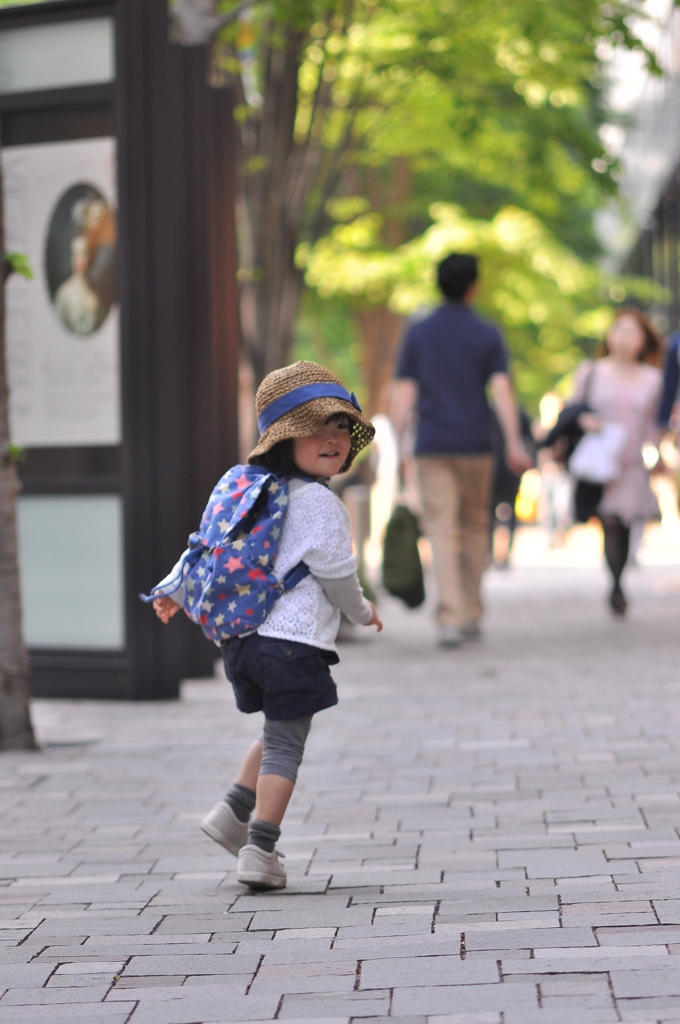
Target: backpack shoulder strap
294, 576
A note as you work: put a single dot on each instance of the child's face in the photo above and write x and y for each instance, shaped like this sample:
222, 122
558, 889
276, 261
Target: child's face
325, 452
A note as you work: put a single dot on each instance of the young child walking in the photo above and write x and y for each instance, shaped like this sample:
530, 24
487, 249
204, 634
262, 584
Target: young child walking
311, 428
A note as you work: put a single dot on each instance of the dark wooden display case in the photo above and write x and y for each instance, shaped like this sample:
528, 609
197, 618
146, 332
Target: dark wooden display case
179, 332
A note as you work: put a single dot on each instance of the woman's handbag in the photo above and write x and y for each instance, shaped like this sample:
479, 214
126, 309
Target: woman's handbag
564, 437
402, 570
597, 458
566, 433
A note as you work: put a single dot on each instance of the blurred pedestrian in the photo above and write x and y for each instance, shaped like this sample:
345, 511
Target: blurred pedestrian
669, 415
623, 386
668, 409
555, 499
446, 363
505, 488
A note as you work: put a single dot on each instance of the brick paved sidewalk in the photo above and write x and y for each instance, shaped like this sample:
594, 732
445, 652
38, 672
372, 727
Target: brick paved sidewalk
484, 836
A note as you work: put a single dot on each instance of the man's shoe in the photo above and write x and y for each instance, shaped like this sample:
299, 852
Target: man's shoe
222, 825
471, 631
449, 636
259, 869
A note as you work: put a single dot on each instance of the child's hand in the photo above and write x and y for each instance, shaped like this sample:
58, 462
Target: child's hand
165, 608
374, 620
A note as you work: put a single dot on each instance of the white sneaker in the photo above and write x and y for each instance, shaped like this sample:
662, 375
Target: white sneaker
259, 869
471, 631
222, 825
449, 636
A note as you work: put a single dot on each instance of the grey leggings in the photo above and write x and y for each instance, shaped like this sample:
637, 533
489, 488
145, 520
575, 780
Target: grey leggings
283, 744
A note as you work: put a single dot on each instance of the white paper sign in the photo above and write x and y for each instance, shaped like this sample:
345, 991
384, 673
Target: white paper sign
62, 327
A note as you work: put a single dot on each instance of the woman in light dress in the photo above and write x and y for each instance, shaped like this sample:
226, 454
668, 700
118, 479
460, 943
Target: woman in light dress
624, 386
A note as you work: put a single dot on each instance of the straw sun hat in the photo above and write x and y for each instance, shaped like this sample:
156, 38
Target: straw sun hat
297, 400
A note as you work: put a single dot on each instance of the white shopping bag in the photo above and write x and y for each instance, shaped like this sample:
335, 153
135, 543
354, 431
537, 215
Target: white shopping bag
598, 457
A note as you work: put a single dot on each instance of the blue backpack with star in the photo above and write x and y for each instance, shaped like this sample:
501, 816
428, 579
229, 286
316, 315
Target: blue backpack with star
226, 572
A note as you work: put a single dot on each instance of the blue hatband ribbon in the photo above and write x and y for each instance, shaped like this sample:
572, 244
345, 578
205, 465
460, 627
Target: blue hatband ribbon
298, 396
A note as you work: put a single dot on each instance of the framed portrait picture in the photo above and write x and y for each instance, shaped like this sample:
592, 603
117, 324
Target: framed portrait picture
62, 325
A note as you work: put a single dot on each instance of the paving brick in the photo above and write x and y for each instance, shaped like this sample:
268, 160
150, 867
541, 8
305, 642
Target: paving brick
531, 938
457, 999
24, 975
389, 928
559, 1014
555, 863
315, 917
664, 1008
80, 982
637, 936
123, 948
426, 970
354, 1004
460, 1018
524, 788
187, 924
54, 996
95, 925
156, 981
324, 984
208, 1004
627, 984
197, 963
586, 984
70, 1013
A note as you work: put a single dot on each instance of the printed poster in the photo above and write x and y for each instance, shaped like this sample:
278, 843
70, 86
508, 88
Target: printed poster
62, 326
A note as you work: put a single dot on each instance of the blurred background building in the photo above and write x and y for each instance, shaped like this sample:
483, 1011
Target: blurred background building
643, 235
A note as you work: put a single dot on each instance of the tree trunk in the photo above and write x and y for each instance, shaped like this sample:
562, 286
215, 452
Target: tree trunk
273, 211
381, 331
16, 731
284, 183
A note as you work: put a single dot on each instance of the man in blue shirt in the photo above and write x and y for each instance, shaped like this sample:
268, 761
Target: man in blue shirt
671, 381
446, 363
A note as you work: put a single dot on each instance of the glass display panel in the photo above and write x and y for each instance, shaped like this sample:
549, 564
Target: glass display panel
71, 565
55, 56
62, 325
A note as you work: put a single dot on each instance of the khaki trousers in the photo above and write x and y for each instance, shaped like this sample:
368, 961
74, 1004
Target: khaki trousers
455, 495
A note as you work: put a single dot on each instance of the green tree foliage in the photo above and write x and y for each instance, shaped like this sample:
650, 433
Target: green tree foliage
394, 105
404, 103
551, 303
327, 332
487, 106
488, 103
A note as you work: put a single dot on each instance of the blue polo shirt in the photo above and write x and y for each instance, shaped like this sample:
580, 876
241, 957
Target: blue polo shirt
451, 355
671, 381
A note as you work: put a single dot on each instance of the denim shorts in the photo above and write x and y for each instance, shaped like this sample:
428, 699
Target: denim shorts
283, 678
